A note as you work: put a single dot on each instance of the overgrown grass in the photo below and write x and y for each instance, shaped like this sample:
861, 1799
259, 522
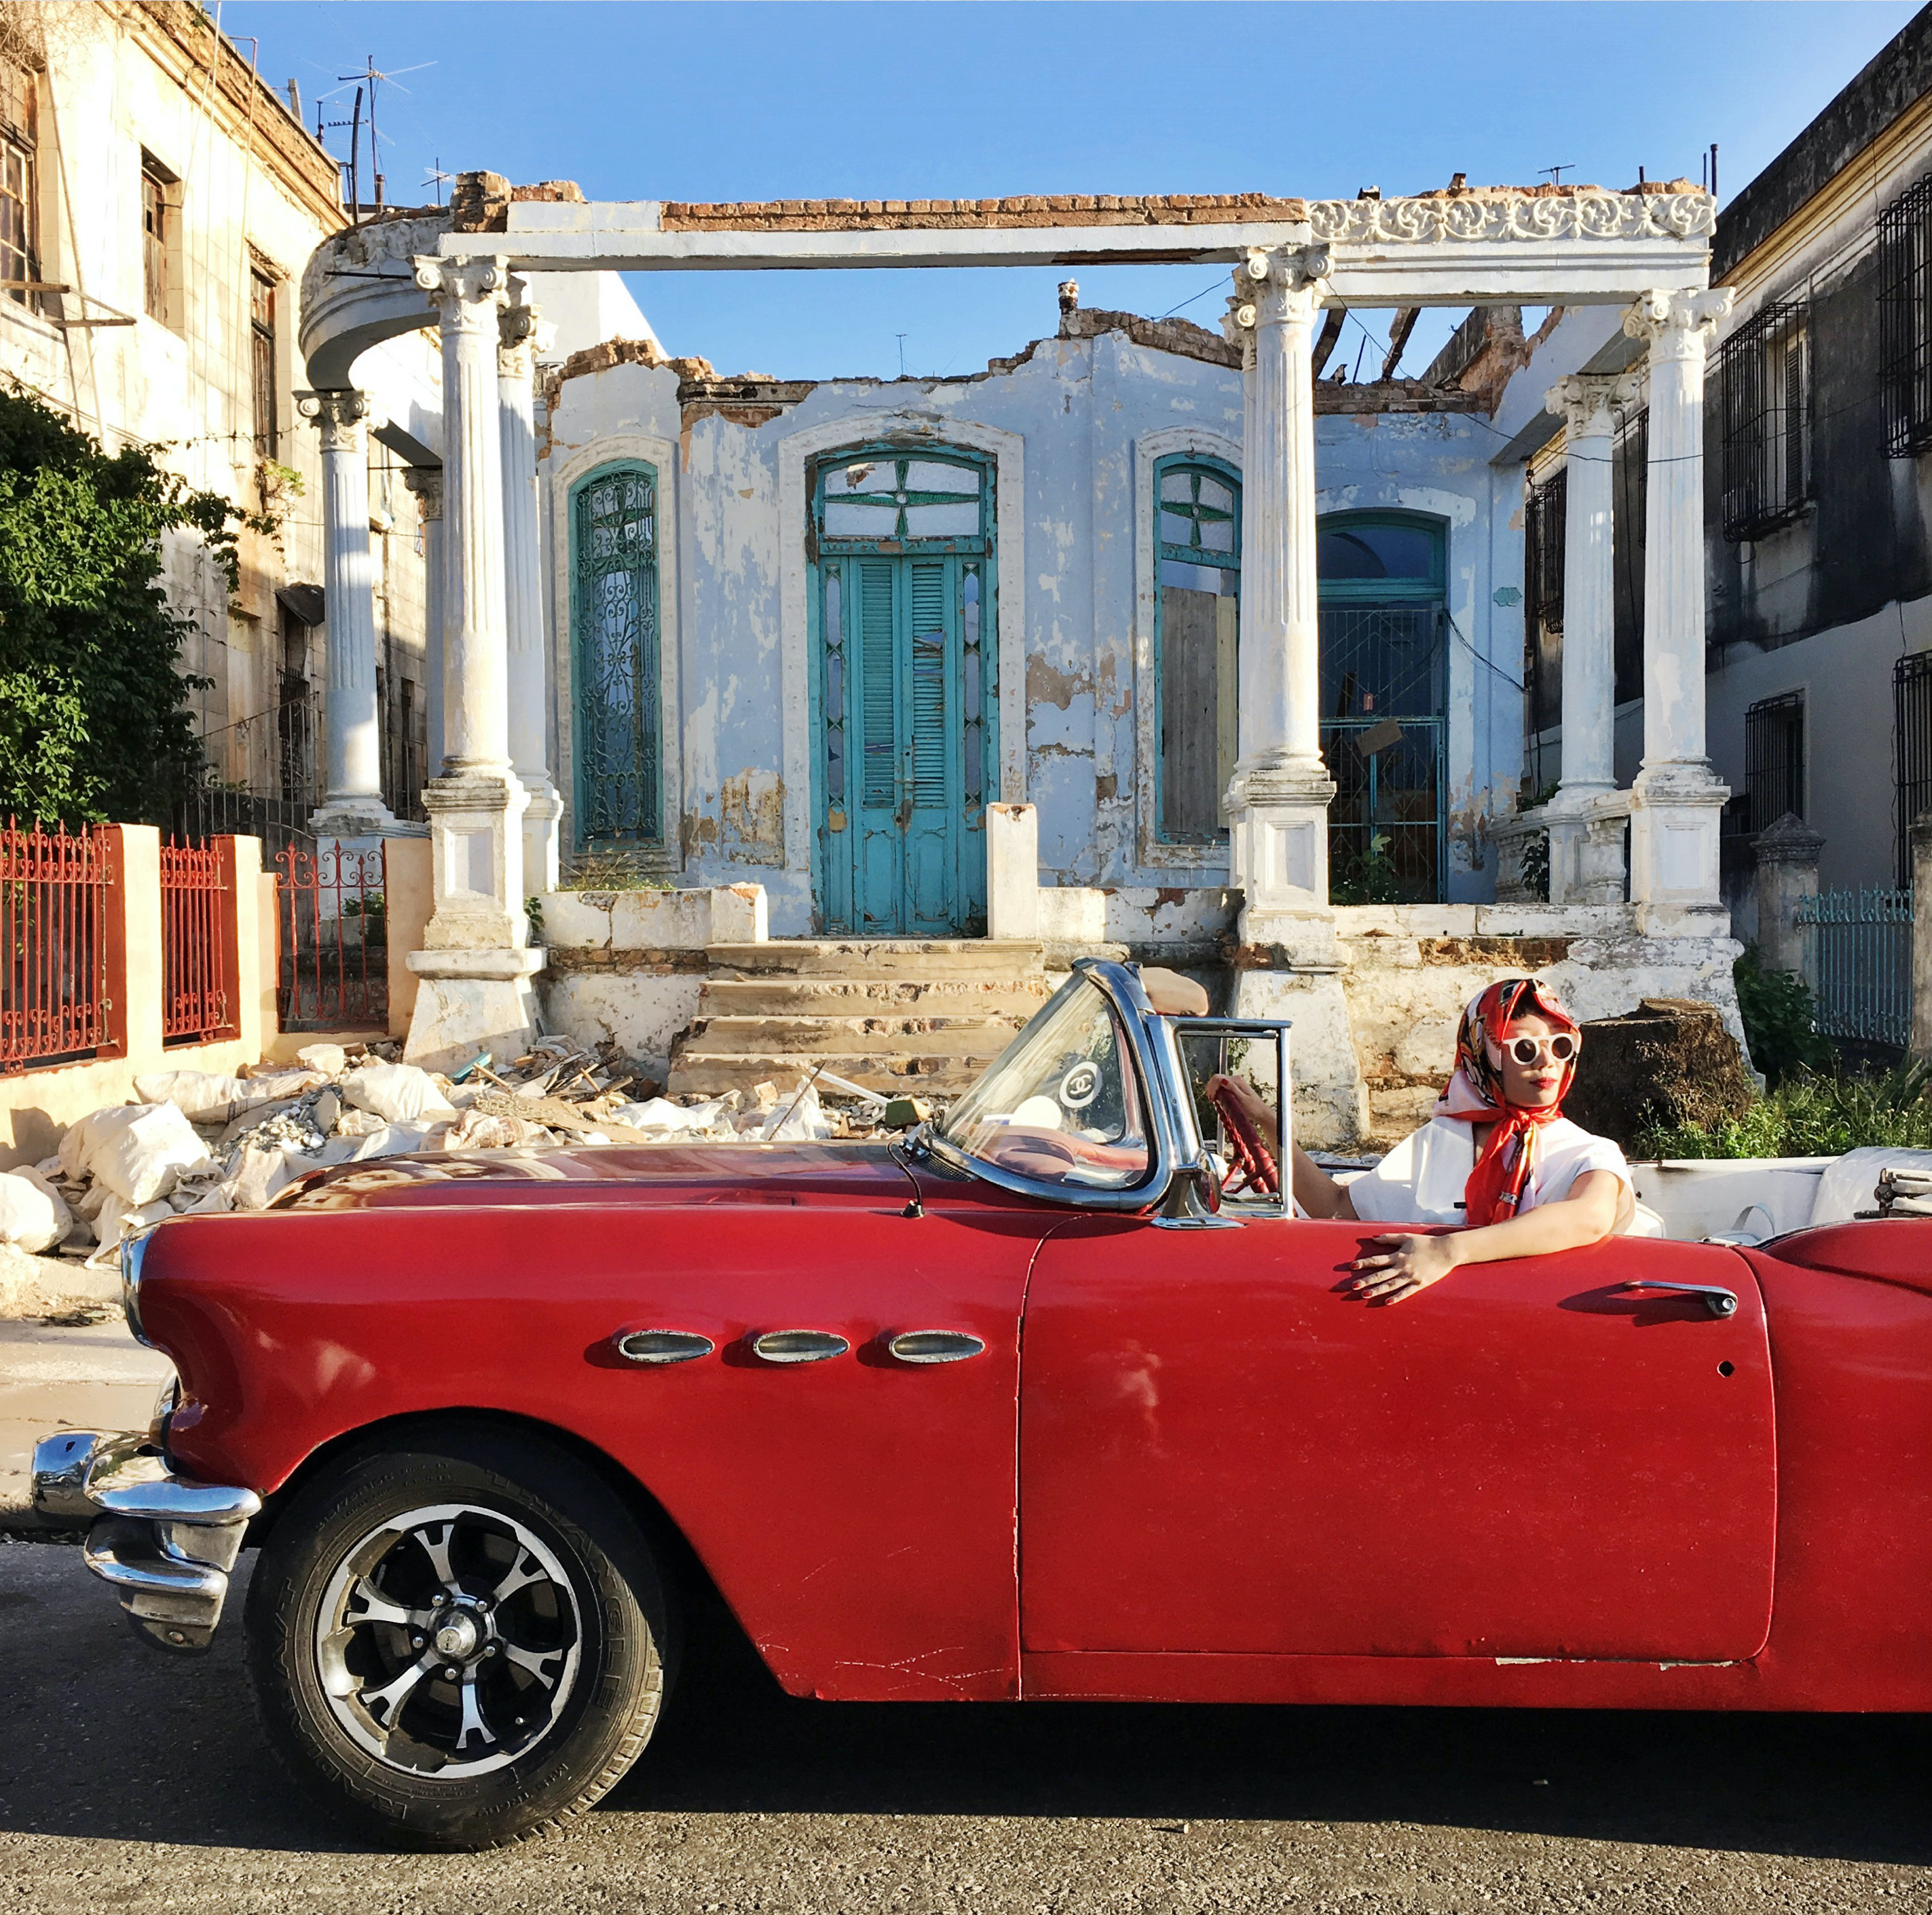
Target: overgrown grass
1811, 1114
611, 868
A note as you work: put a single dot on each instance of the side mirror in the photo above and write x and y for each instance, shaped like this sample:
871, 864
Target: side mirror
1193, 1199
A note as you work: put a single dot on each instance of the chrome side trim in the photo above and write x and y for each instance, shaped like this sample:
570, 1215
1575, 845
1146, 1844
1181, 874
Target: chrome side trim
935, 1345
134, 1250
164, 1542
797, 1345
661, 1346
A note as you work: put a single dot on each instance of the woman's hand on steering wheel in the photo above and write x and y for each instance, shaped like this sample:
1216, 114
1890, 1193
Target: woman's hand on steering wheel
1244, 1116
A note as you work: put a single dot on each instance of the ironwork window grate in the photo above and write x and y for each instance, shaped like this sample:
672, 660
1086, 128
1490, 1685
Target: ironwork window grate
1545, 511
1905, 319
1774, 760
1764, 387
1911, 737
614, 628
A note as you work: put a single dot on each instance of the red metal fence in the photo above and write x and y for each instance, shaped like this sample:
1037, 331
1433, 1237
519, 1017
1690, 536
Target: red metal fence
197, 938
332, 933
54, 934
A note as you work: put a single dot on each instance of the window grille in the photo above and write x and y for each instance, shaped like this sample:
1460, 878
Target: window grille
19, 257
614, 629
1774, 760
1911, 728
1905, 319
1543, 517
1764, 387
262, 331
156, 213
1197, 506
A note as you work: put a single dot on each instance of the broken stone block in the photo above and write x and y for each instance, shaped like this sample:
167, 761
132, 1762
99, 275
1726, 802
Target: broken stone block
1670, 1062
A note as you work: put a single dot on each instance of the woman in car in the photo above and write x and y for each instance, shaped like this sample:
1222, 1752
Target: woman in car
1498, 1157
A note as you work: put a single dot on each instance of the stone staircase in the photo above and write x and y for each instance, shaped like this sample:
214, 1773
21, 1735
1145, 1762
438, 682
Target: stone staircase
901, 1015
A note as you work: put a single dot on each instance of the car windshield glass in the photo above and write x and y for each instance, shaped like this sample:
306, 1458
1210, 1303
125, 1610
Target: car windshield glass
1062, 1103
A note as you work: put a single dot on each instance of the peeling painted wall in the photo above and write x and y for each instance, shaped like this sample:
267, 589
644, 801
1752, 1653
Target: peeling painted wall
1079, 405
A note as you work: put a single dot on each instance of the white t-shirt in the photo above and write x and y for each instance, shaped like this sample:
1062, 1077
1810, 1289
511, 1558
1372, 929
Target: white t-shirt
1421, 1180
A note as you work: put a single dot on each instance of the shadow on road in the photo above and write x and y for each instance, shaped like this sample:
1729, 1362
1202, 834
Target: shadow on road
100, 1738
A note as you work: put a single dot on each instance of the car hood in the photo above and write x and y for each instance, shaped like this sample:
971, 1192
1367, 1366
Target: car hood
862, 1174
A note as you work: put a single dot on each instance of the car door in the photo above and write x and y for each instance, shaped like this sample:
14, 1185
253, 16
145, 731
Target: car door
1220, 1450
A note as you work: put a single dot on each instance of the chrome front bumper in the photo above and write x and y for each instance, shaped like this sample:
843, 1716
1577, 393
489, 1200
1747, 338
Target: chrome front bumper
165, 1542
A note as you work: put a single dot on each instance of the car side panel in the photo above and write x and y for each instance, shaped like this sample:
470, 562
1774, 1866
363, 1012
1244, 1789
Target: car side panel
858, 1515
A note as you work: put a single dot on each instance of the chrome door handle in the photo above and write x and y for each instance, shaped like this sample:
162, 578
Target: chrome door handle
935, 1346
798, 1346
1718, 1300
661, 1346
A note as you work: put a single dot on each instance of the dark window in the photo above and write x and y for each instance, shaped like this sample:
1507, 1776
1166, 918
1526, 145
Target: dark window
1774, 760
1912, 725
1764, 385
1905, 319
1544, 513
1630, 478
262, 340
19, 257
1198, 556
157, 235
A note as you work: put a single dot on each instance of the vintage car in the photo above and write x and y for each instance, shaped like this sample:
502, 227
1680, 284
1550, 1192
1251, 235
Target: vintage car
1026, 1407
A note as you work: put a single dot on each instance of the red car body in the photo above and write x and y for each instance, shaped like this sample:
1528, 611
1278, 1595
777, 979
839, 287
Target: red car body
1186, 1467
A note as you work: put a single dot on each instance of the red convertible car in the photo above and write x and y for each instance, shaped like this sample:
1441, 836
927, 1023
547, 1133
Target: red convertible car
1030, 1405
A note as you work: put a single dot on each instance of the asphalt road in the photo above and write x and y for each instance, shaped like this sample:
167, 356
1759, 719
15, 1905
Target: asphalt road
129, 1781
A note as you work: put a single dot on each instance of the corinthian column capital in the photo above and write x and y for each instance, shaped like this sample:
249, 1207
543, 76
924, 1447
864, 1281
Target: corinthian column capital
1279, 287
338, 414
426, 482
1677, 325
468, 293
1585, 401
522, 334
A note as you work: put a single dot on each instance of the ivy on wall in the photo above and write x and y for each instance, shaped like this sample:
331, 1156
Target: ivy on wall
93, 723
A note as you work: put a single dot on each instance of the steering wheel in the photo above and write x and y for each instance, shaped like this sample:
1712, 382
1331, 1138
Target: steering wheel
1253, 1167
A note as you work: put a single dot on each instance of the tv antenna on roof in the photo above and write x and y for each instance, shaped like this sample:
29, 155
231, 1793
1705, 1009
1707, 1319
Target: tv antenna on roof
368, 80
1556, 173
436, 179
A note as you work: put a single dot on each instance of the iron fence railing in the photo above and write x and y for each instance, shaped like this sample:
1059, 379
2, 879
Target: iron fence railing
1858, 960
54, 936
197, 906
332, 932
261, 780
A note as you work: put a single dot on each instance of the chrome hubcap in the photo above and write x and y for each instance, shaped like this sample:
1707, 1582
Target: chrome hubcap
448, 1640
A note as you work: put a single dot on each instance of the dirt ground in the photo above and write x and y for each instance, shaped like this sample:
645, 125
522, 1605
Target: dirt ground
129, 1781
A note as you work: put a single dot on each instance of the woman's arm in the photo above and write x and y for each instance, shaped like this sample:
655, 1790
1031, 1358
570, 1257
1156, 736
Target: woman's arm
1586, 1216
1316, 1192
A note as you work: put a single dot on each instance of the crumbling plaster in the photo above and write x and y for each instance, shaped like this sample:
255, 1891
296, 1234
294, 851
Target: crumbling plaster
1073, 425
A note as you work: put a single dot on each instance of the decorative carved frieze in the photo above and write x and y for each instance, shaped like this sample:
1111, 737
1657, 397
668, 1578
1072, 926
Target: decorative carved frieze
1580, 216
385, 249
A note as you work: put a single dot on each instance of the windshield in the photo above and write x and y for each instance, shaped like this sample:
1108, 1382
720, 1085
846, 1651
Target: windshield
1062, 1103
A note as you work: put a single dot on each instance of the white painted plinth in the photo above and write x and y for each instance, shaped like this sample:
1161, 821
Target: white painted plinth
468, 1001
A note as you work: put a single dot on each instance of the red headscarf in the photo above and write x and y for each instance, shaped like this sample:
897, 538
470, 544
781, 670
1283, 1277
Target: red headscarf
1475, 1095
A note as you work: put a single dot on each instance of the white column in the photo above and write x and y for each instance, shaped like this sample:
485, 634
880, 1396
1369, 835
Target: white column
352, 803
1677, 797
476, 966
1586, 866
1278, 798
523, 563
426, 482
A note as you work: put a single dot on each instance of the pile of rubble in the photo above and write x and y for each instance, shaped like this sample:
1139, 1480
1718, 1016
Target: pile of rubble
202, 1141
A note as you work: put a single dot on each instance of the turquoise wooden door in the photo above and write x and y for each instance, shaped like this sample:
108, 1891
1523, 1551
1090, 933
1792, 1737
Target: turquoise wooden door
903, 695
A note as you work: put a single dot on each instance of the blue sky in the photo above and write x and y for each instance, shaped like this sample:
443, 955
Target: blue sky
942, 100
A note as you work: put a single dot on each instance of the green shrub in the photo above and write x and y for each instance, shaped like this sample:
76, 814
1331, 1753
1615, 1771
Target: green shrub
1779, 1019
1812, 1114
1369, 876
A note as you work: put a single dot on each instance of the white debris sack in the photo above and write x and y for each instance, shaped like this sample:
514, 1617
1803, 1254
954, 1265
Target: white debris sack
394, 1140
211, 1097
119, 1219
399, 1092
660, 1116
138, 1150
33, 1217
798, 1119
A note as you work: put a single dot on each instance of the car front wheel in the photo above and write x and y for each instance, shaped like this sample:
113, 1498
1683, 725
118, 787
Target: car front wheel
462, 1642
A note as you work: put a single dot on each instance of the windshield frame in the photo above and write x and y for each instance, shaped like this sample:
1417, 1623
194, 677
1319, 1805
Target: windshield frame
1150, 1047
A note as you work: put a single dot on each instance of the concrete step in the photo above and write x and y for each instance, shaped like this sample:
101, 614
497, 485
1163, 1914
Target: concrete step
917, 957
870, 997
895, 1073
917, 1036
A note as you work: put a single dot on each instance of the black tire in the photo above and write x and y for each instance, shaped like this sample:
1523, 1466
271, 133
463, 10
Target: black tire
590, 1691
